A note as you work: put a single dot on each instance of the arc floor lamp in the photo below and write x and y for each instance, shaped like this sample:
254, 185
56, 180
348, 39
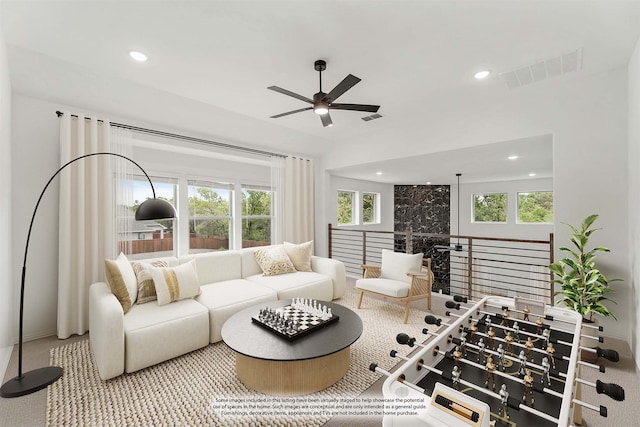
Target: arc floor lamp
32, 381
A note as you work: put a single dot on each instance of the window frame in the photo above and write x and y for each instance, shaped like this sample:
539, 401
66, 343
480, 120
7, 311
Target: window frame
212, 185
354, 207
244, 217
473, 208
518, 221
375, 205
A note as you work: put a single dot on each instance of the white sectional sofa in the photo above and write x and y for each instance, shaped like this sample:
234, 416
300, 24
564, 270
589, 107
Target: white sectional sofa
229, 281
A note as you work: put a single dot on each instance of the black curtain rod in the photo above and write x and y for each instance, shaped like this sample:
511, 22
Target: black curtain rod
184, 137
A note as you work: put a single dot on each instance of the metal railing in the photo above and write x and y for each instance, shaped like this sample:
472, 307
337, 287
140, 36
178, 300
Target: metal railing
462, 265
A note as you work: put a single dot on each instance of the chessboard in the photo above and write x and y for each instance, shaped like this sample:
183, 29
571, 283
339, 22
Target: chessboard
293, 321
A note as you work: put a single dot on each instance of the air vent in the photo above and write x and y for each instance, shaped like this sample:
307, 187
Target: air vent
544, 70
371, 117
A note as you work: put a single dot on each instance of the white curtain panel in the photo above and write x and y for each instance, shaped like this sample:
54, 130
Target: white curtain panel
86, 208
123, 172
277, 189
299, 217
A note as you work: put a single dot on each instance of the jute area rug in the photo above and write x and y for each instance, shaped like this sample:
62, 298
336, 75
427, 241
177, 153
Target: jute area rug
185, 390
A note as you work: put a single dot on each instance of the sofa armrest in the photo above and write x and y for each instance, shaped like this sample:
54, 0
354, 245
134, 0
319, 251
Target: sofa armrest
334, 269
106, 331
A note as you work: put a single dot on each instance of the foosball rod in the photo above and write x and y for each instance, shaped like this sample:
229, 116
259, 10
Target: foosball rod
513, 343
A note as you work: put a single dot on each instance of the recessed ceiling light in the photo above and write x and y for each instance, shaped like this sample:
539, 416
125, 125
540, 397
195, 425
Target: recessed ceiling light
428, 182
512, 157
482, 74
138, 56
378, 173
532, 174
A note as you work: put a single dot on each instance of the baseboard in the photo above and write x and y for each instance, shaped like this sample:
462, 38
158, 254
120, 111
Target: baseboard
5, 355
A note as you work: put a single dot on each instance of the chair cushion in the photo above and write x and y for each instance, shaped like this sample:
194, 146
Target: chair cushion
396, 265
392, 288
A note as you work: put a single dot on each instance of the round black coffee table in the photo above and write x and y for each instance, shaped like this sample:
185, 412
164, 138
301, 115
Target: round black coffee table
271, 364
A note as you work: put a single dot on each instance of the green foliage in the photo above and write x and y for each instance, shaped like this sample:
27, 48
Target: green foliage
368, 208
584, 287
345, 208
208, 203
256, 203
490, 207
535, 207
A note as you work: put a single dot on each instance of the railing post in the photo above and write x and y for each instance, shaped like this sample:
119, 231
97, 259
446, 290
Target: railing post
329, 242
364, 248
408, 244
469, 267
551, 259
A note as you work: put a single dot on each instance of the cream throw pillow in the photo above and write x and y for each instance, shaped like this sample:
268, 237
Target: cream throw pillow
175, 283
273, 261
396, 265
146, 287
122, 280
300, 255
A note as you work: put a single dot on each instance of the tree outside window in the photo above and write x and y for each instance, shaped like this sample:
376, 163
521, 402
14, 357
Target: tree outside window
209, 216
346, 207
370, 208
256, 217
490, 207
535, 207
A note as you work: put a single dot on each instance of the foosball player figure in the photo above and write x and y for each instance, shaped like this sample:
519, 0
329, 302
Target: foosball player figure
516, 330
545, 337
463, 343
526, 312
473, 328
504, 398
487, 323
457, 355
490, 336
523, 363
480, 349
545, 371
528, 387
529, 348
508, 339
500, 351
455, 377
550, 352
539, 326
505, 317
490, 367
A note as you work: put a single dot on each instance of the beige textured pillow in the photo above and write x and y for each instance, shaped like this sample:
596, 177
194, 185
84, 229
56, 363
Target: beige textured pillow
175, 283
122, 280
300, 255
146, 287
273, 261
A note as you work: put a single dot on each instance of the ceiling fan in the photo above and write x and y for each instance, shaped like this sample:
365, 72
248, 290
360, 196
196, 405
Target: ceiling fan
458, 246
322, 102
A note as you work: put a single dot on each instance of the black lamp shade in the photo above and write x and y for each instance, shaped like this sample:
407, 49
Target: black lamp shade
155, 209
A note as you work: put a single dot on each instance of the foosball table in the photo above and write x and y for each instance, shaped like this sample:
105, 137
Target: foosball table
499, 362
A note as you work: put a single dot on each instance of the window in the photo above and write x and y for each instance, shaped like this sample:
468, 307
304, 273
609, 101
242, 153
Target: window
370, 209
256, 216
490, 207
210, 215
535, 207
346, 207
145, 239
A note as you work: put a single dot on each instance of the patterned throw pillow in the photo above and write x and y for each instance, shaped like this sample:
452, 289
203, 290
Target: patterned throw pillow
146, 287
175, 283
121, 280
300, 255
273, 261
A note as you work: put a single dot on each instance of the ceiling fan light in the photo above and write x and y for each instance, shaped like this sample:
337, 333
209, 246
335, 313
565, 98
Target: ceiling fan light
321, 109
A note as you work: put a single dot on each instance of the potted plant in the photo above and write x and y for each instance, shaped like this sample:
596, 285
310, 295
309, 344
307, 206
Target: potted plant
584, 287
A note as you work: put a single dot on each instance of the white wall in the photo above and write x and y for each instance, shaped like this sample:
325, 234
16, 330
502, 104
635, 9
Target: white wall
7, 284
587, 117
634, 200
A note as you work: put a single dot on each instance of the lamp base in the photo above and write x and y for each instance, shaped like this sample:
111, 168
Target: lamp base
31, 381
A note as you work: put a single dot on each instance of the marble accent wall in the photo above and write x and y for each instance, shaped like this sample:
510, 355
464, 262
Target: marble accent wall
425, 209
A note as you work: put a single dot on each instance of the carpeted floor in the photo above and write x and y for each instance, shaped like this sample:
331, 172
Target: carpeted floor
185, 390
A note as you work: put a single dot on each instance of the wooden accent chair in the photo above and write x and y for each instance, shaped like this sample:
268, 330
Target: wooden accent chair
401, 277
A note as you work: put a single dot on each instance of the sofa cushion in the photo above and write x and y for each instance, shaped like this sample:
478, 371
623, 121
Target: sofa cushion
224, 299
300, 255
175, 283
299, 284
215, 266
393, 288
156, 333
274, 260
250, 266
122, 280
146, 287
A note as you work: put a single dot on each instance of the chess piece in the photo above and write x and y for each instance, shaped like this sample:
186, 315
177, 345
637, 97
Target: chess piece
505, 317
504, 399
516, 330
508, 339
545, 371
539, 325
550, 351
529, 347
490, 367
523, 363
457, 355
526, 312
500, 352
490, 336
481, 347
528, 387
455, 377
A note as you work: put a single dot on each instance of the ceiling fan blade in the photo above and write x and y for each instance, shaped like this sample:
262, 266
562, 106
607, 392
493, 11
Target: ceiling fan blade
346, 84
291, 112
326, 120
356, 107
288, 92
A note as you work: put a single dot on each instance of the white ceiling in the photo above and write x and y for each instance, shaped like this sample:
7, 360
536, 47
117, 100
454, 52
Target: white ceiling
413, 57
